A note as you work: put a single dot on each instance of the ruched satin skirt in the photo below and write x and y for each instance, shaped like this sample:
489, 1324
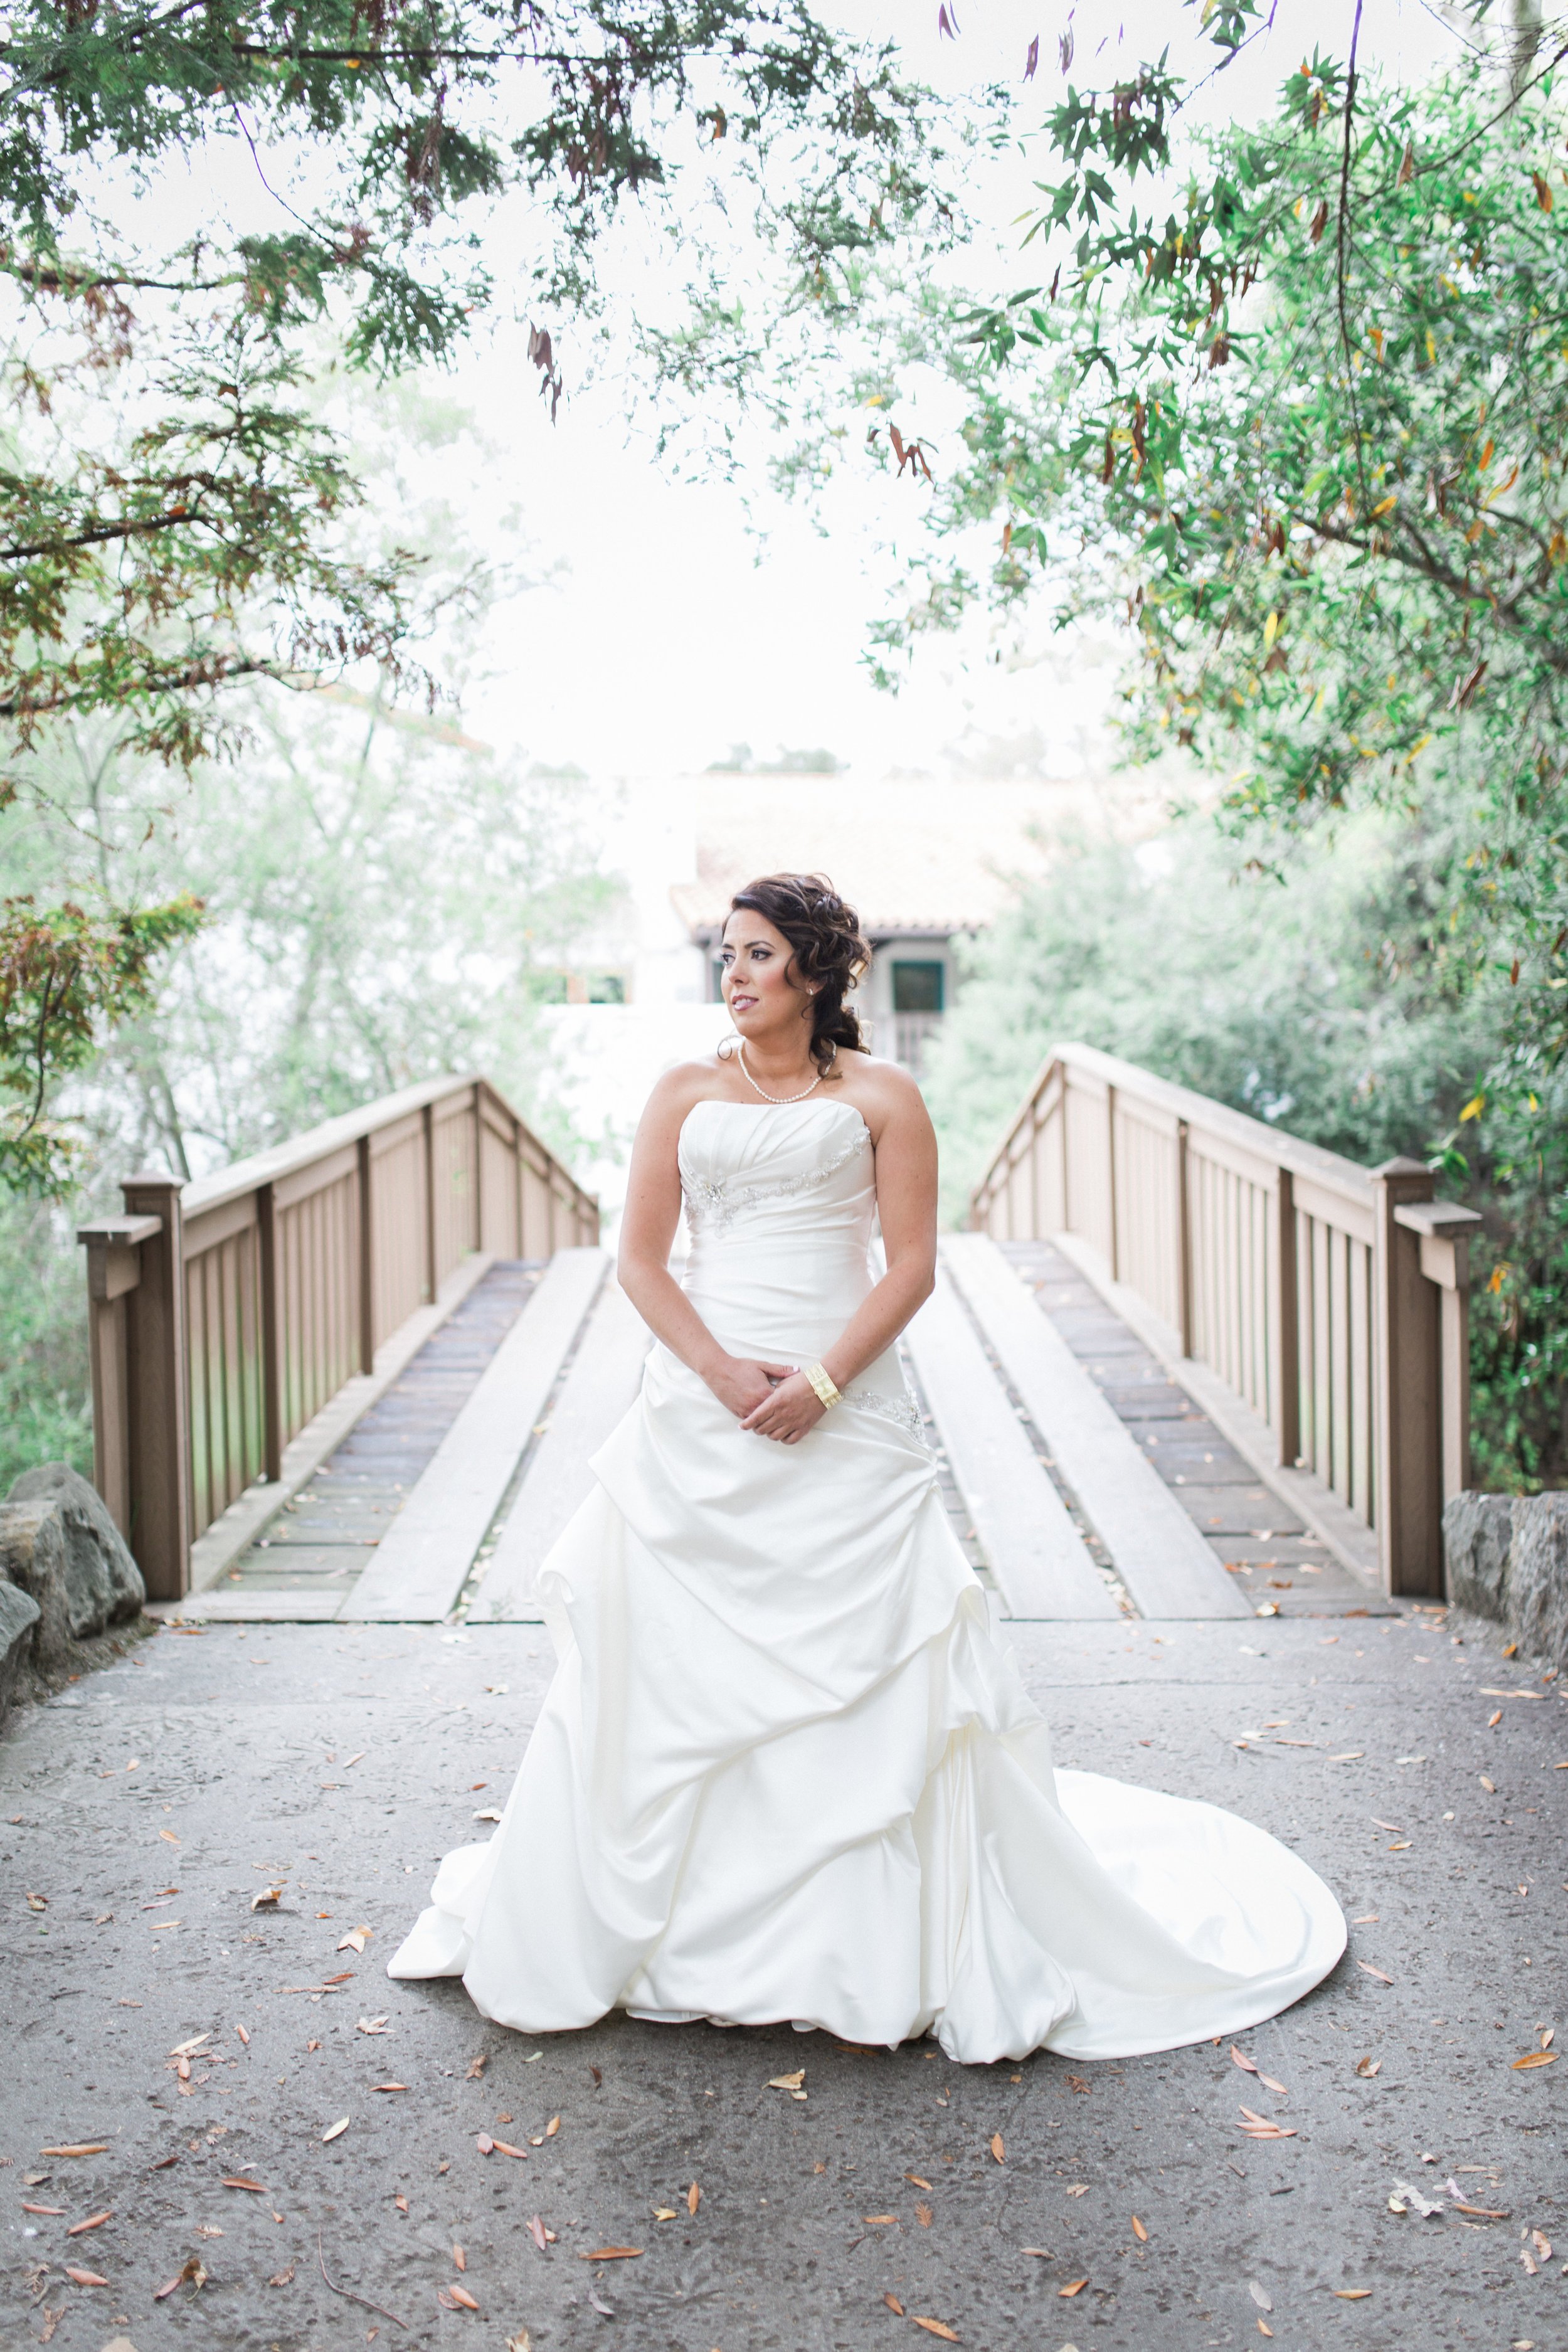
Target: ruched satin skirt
786, 1771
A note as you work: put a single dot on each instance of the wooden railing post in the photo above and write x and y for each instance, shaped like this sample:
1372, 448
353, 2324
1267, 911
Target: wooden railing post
1285, 1369
429, 1203
1111, 1181
1407, 1389
274, 1404
476, 1237
366, 1259
157, 1480
1184, 1242
1444, 1232
113, 1272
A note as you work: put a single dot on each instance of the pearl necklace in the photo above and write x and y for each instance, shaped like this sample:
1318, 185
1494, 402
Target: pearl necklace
762, 1090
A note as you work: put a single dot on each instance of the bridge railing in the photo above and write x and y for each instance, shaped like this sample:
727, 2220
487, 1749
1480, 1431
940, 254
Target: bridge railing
1330, 1299
226, 1313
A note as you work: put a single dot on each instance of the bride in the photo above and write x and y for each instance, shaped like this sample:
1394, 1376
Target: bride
785, 1770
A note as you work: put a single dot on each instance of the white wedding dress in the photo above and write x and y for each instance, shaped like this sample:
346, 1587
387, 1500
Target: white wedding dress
785, 1770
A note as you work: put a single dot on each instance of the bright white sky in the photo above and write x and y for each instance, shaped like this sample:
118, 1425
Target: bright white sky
669, 632
674, 633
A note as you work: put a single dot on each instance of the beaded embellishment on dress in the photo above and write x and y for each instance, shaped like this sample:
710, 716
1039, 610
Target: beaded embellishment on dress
902, 1409
711, 1204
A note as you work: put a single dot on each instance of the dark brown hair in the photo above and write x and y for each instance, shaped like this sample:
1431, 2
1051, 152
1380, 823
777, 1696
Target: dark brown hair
827, 951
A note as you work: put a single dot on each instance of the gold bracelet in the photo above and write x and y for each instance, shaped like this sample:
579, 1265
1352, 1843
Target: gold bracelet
821, 1381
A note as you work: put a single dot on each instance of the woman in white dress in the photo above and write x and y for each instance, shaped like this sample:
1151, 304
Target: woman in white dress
785, 1770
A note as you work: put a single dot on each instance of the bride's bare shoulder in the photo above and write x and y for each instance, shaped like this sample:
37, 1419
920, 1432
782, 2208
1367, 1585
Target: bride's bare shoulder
881, 1089
682, 1086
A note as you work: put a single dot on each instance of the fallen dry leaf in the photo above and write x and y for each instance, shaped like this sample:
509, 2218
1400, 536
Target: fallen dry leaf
538, 2233
335, 2131
168, 1835
1367, 1967
1368, 2066
552, 2127
43, 2208
610, 2254
372, 2024
894, 2306
521, 2342
460, 2258
51, 2321
880, 2221
793, 2083
267, 1898
923, 2216
1352, 2293
1073, 2287
1242, 2060
238, 2180
1480, 2212
936, 2327
477, 2065
916, 2182
354, 1941
693, 2198
389, 2086
1043, 2253
242, 2036
997, 2150
85, 2278
193, 2272
79, 2147
1542, 2243
1260, 2295
1535, 2058
93, 2221
1079, 2188
1138, 2231
665, 2213
282, 2278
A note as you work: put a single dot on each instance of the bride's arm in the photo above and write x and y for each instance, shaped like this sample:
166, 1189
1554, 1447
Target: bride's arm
906, 1204
648, 1232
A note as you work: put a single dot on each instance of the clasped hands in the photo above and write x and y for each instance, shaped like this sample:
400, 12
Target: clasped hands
773, 1401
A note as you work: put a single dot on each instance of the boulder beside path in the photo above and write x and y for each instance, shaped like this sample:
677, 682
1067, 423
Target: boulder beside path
66, 1575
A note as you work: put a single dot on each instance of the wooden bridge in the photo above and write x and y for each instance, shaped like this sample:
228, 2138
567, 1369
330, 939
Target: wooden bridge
1183, 1366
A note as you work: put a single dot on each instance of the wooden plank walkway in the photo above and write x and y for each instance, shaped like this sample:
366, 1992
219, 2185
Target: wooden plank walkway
423, 1563
1155, 1548
600, 1386
305, 1559
1279, 1565
1083, 1480
1036, 1554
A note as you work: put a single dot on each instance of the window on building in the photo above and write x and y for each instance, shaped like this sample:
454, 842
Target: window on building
917, 987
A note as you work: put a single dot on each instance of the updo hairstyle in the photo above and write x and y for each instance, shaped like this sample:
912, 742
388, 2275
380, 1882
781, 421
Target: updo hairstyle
828, 952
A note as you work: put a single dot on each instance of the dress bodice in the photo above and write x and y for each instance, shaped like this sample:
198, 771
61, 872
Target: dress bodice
780, 1206
777, 1172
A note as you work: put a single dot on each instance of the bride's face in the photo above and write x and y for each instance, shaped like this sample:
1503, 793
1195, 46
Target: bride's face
763, 1001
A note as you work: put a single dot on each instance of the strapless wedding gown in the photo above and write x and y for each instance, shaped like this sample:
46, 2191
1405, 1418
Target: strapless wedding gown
785, 1770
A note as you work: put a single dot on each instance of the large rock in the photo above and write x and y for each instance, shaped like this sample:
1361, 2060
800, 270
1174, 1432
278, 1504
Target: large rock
1538, 1577
103, 1584
33, 1558
1476, 1530
18, 1616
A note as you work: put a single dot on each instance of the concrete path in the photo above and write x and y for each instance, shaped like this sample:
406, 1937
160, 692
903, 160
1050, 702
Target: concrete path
141, 1814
